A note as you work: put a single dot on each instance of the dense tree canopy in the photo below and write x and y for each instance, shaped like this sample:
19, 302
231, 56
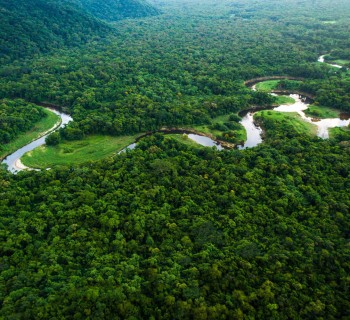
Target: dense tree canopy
113, 10
176, 70
16, 117
169, 231
37, 26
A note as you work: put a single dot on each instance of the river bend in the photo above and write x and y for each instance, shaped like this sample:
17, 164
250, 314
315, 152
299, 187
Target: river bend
13, 160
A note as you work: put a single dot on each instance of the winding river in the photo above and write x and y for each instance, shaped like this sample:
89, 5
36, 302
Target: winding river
321, 59
13, 160
254, 132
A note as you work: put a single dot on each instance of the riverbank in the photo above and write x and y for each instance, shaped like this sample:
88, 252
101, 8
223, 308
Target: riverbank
91, 148
223, 143
286, 119
300, 121
251, 82
97, 147
41, 128
11, 159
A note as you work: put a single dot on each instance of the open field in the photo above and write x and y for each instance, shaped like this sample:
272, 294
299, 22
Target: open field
91, 148
183, 138
267, 85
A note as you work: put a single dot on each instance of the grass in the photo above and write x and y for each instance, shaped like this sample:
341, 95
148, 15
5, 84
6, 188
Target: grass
289, 119
337, 131
341, 61
97, 147
36, 132
240, 134
321, 112
91, 148
270, 85
284, 100
267, 85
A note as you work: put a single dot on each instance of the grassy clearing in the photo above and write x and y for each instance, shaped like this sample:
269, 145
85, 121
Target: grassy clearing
41, 126
91, 148
284, 100
341, 61
239, 134
270, 85
289, 119
267, 85
321, 112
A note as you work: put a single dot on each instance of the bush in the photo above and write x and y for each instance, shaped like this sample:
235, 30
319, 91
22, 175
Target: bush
53, 139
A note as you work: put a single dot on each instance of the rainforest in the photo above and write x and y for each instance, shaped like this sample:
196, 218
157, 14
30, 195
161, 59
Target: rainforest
175, 159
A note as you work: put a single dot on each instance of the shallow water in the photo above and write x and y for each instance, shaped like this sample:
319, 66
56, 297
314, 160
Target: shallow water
321, 59
322, 124
205, 141
129, 147
254, 132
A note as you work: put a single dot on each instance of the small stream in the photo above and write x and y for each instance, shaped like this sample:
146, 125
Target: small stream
321, 59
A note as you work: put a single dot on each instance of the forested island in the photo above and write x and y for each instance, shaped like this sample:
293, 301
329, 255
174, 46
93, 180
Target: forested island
134, 219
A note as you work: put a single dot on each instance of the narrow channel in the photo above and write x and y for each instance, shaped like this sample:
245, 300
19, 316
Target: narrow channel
321, 59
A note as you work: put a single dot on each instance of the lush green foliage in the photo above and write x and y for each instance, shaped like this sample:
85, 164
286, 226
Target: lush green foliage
341, 56
16, 117
173, 233
169, 231
40, 127
226, 127
112, 10
178, 70
76, 152
31, 27
333, 92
